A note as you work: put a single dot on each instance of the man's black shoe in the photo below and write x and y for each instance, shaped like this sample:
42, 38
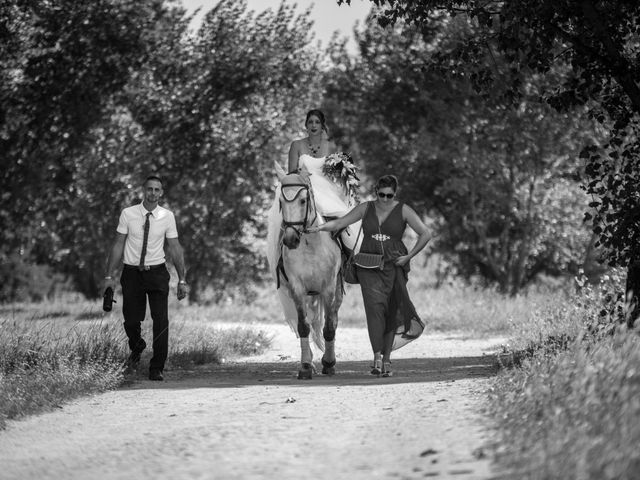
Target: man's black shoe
132, 362
155, 375
134, 357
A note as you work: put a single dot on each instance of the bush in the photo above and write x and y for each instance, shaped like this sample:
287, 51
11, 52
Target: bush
576, 392
47, 356
23, 282
579, 409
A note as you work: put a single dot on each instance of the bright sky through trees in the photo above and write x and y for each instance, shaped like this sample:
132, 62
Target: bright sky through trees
326, 14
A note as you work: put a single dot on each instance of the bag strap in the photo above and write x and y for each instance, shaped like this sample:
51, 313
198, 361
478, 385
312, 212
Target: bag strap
353, 252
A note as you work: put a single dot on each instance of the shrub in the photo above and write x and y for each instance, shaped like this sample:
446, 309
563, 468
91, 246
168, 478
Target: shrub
576, 392
23, 282
47, 357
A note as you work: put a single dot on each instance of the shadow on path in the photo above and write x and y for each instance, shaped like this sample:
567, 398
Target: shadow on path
243, 374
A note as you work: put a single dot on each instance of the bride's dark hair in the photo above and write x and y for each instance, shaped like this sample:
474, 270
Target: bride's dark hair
317, 113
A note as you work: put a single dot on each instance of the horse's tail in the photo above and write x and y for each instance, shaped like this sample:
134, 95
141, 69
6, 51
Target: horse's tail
315, 318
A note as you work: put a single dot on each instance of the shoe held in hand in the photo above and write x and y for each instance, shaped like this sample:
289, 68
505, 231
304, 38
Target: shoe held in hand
108, 301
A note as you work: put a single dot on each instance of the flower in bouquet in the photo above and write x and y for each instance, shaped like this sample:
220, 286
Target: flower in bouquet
340, 169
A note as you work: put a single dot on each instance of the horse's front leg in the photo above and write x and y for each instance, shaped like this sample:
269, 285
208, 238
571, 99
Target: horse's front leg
331, 307
306, 356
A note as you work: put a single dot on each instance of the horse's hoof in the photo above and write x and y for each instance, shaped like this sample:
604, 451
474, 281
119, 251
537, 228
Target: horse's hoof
328, 368
306, 373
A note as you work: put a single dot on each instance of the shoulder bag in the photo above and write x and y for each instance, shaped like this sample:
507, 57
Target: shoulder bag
362, 260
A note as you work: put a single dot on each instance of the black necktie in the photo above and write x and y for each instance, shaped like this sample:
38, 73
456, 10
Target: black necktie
145, 239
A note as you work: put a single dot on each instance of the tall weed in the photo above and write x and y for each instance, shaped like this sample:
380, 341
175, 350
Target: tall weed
573, 414
452, 307
571, 408
48, 356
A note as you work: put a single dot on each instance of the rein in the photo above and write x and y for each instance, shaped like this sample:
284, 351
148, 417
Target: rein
310, 200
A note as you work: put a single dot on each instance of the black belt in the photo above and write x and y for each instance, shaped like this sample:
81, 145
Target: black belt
146, 267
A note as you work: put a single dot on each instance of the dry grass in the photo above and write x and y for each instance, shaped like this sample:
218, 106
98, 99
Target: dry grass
571, 408
455, 307
579, 408
50, 353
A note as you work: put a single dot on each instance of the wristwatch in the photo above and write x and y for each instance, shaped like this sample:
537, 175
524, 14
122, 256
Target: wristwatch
182, 282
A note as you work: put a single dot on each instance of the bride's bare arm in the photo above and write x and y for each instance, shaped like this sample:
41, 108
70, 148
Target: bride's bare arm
294, 153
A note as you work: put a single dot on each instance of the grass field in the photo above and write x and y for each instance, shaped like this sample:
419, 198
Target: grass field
50, 353
568, 409
469, 310
54, 351
571, 409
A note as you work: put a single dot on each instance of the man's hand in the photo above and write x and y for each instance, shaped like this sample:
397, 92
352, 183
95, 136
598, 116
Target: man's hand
183, 290
109, 282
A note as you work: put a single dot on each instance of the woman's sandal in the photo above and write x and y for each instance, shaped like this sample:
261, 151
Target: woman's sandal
386, 369
376, 368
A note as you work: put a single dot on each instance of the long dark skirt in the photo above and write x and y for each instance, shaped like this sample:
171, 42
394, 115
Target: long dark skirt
388, 307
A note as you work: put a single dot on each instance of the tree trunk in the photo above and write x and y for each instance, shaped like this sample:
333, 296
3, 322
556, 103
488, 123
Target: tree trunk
619, 66
632, 293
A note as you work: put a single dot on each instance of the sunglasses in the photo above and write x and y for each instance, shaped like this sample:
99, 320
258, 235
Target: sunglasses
386, 195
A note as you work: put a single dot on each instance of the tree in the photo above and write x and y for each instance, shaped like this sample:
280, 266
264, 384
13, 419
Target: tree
218, 109
598, 43
501, 176
97, 96
209, 111
60, 64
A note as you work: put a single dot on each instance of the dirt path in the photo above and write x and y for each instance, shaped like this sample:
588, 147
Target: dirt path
252, 419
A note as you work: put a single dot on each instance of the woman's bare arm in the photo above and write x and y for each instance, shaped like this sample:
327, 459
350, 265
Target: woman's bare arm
418, 226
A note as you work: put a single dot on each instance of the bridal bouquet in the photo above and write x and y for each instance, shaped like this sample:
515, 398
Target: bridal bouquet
339, 168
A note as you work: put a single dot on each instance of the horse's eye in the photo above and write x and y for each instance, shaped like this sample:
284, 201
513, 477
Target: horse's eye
303, 201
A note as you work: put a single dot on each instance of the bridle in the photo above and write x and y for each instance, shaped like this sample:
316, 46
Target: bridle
301, 186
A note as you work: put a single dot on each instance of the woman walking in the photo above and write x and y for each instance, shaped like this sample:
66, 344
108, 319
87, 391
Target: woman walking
392, 320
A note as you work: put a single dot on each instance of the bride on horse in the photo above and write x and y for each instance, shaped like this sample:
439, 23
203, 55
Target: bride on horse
311, 152
332, 180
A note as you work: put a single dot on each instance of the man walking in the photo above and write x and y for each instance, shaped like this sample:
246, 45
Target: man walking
140, 239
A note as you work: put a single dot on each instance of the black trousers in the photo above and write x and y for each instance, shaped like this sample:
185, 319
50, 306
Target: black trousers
137, 287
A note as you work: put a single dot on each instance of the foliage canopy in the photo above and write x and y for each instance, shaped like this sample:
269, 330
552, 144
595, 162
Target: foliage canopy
597, 42
498, 171
96, 95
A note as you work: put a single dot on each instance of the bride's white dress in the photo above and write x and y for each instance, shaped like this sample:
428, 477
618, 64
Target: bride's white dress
331, 201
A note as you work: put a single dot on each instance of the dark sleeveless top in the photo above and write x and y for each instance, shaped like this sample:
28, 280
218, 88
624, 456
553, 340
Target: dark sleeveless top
390, 232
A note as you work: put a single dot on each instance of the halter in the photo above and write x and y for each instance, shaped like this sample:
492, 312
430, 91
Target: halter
306, 186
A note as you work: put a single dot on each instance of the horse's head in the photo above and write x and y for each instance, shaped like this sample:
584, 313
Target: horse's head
296, 204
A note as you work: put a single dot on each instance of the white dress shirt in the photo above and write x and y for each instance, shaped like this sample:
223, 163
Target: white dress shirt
162, 224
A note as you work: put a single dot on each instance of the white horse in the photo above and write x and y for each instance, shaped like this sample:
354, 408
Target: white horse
307, 266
